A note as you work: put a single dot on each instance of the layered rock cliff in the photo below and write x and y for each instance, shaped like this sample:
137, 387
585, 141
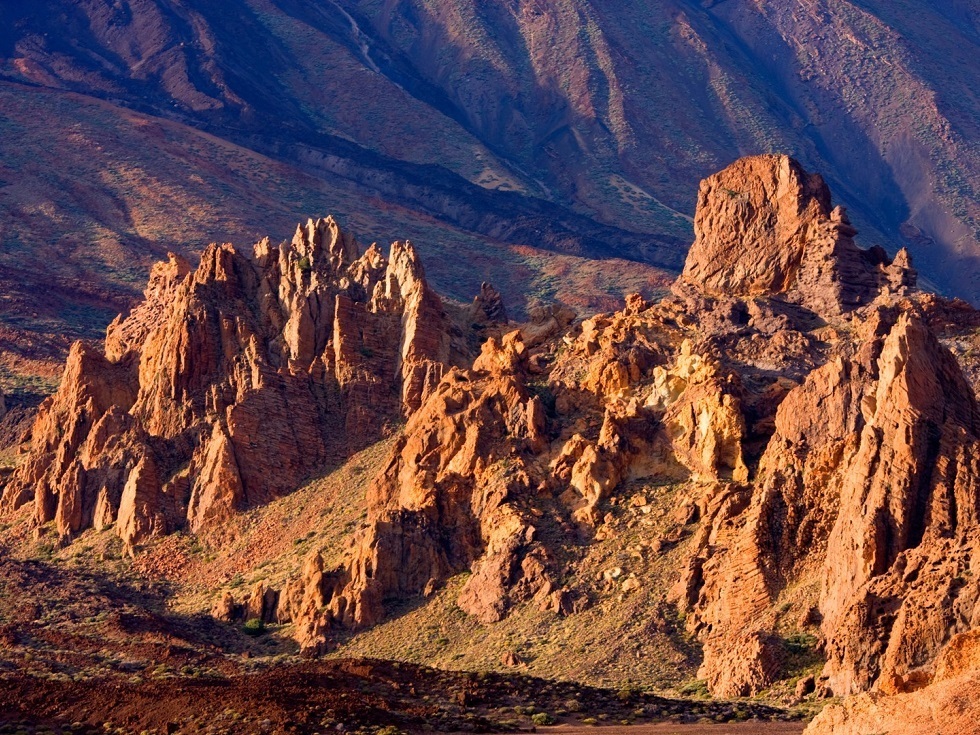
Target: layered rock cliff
232, 382
948, 704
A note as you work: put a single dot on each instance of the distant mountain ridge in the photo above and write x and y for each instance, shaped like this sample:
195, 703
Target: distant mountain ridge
571, 126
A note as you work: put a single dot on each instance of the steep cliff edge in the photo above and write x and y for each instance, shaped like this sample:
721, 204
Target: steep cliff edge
232, 382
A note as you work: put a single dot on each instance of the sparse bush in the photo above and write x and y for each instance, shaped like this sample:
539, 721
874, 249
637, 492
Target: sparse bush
254, 626
626, 693
694, 688
543, 718
800, 642
304, 264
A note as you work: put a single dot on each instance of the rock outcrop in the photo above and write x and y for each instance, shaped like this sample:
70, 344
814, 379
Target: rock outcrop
871, 470
793, 385
232, 382
488, 306
765, 227
867, 485
448, 501
949, 703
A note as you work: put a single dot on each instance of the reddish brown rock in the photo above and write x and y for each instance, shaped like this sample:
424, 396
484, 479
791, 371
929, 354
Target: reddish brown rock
225, 610
457, 470
949, 703
764, 226
488, 306
867, 483
231, 383
823, 443
826, 441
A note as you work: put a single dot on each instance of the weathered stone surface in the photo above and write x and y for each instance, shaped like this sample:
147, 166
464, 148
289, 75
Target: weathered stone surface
488, 306
446, 500
225, 610
872, 471
949, 703
764, 226
231, 383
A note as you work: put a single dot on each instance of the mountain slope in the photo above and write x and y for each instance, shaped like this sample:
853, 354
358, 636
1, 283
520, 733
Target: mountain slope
94, 195
481, 114
571, 127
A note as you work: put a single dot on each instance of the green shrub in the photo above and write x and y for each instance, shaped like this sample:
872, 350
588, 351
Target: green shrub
543, 718
304, 264
254, 626
694, 688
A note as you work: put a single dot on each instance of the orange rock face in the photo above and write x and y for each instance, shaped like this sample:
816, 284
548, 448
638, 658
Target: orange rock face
764, 226
447, 501
232, 382
867, 484
826, 439
949, 704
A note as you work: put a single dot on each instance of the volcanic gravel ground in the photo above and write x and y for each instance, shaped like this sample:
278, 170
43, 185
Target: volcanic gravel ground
338, 695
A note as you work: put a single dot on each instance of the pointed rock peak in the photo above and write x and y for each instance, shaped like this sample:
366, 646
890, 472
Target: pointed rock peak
405, 271
218, 264
165, 273
325, 236
405, 259
488, 306
179, 263
903, 259
228, 374
764, 227
373, 256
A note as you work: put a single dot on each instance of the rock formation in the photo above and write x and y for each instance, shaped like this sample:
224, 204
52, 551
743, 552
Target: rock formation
765, 227
488, 306
795, 392
793, 385
446, 501
867, 480
232, 382
947, 705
